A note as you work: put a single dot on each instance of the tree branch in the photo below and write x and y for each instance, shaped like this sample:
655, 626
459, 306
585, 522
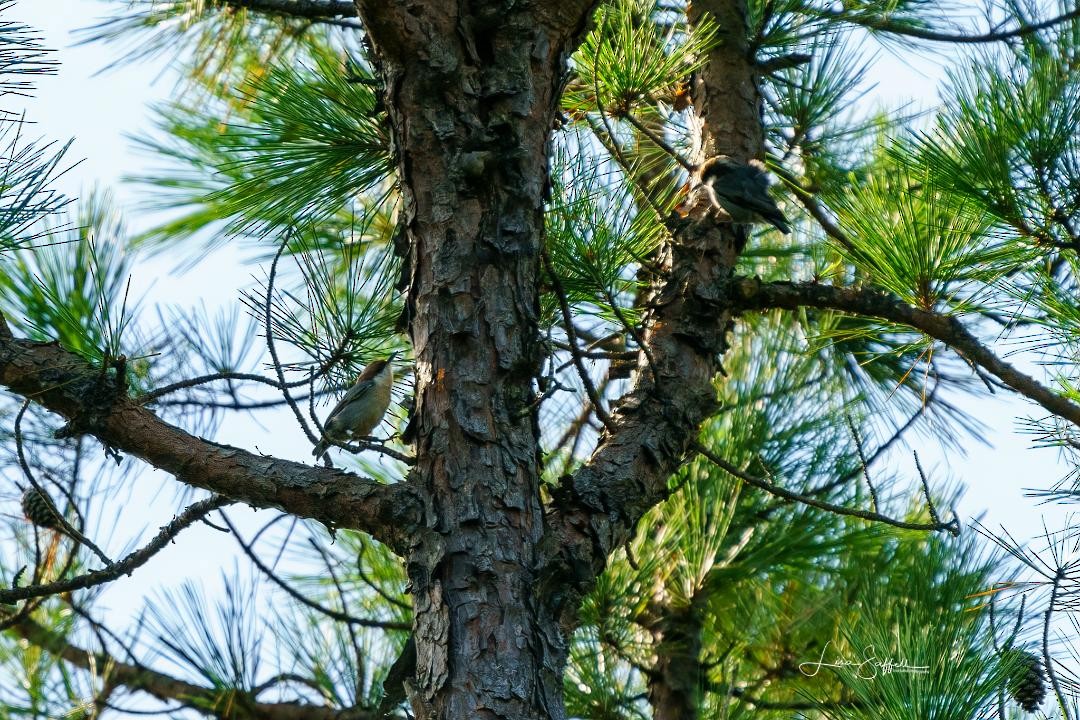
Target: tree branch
752, 294
686, 322
129, 564
221, 703
595, 510
952, 527
93, 404
938, 36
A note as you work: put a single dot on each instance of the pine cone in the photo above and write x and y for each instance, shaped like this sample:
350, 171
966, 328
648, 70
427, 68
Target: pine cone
1027, 686
40, 510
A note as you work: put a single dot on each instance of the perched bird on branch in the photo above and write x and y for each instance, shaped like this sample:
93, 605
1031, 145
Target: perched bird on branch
742, 191
362, 408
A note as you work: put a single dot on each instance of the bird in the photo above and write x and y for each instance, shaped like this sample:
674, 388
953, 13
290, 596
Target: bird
742, 191
362, 408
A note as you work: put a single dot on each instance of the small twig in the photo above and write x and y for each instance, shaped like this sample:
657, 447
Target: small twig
634, 334
284, 678
102, 632
127, 565
926, 489
1019, 620
952, 527
358, 446
300, 597
571, 335
810, 202
630, 559
229, 375
783, 62
863, 463
574, 429
553, 387
341, 596
21, 614
593, 354
210, 523
64, 524
378, 590
214, 377
270, 341
658, 141
235, 404
1047, 659
311, 408
997, 649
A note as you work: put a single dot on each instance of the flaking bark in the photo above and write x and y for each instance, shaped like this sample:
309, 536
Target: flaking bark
471, 93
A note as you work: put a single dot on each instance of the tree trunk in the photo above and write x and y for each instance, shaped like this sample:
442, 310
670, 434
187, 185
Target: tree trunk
472, 102
676, 684
725, 92
472, 92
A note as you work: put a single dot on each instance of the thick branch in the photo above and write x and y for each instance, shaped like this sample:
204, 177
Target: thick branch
92, 403
751, 294
220, 703
685, 327
595, 511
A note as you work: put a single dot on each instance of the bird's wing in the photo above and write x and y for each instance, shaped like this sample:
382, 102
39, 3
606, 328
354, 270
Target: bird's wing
355, 392
753, 194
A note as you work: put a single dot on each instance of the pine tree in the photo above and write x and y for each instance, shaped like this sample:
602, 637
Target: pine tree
643, 459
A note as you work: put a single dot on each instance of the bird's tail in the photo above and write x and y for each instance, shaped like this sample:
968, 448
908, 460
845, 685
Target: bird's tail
777, 220
321, 448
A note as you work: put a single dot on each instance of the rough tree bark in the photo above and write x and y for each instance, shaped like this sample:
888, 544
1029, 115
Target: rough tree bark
471, 90
726, 96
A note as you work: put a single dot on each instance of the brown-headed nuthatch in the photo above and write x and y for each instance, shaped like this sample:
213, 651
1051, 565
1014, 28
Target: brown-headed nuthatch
362, 408
742, 191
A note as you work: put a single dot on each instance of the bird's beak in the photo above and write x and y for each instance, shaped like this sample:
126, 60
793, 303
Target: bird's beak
392, 356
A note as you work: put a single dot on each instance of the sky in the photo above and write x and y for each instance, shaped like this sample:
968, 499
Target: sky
101, 110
